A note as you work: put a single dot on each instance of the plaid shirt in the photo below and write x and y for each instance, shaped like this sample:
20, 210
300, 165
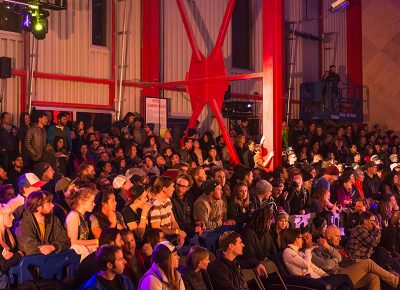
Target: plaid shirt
362, 242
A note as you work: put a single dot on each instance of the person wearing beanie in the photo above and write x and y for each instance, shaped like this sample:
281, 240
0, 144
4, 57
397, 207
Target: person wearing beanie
371, 181
163, 273
330, 175
149, 129
263, 191
209, 207
279, 228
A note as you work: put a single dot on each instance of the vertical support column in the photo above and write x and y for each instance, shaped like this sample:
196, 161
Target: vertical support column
111, 87
273, 22
354, 43
25, 76
150, 48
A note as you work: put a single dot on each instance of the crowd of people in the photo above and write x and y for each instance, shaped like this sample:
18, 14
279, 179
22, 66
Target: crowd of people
145, 213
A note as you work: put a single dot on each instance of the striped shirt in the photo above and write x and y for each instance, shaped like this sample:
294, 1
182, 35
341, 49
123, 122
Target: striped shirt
161, 212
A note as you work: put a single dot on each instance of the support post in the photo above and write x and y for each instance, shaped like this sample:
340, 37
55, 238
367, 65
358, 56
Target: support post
272, 77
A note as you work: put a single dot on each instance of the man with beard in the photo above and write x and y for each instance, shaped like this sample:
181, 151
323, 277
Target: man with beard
60, 129
135, 261
39, 231
86, 174
16, 170
199, 176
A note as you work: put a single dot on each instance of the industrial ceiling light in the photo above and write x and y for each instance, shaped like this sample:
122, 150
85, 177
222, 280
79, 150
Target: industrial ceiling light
339, 4
35, 20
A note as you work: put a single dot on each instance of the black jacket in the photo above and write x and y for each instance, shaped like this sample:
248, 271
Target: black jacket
196, 280
225, 274
183, 213
257, 248
371, 185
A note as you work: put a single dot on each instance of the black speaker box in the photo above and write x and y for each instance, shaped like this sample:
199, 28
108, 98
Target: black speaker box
5, 67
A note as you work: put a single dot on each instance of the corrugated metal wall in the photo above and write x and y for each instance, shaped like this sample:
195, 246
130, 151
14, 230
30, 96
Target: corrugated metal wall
131, 95
301, 16
67, 50
11, 45
335, 40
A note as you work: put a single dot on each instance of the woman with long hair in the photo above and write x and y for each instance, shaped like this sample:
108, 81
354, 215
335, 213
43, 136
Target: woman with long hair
163, 273
106, 216
80, 201
390, 183
10, 256
198, 154
239, 203
61, 155
279, 228
83, 156
257, 237
194, 275
213, 157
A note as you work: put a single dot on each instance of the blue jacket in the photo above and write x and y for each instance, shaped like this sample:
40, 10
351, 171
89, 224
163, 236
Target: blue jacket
94, 284
51, 132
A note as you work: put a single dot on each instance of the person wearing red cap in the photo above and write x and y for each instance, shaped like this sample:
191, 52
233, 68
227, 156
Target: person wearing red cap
330, 175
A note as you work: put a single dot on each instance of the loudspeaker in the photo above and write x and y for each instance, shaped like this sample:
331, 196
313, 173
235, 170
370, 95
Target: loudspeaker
5, 67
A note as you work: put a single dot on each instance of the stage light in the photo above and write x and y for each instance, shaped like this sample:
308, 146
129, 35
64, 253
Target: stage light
35, 21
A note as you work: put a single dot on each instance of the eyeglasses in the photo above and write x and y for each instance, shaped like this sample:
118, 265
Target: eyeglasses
182, 185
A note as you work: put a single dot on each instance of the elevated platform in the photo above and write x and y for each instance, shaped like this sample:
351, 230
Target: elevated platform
328, 101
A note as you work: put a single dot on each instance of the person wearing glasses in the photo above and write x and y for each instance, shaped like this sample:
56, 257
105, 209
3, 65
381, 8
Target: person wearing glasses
181, 207
364, 238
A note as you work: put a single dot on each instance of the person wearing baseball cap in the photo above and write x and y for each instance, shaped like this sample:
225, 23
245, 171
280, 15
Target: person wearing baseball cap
371, 181
165, 259
330, 175
124, 185
27, 183
209, 207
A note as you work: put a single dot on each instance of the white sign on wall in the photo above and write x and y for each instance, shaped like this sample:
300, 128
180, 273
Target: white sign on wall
156, 113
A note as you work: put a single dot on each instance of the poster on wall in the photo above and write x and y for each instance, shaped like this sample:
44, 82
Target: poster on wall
156, 113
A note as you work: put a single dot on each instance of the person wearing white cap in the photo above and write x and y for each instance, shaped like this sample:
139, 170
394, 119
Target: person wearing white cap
163, 273
27, 183
124, 185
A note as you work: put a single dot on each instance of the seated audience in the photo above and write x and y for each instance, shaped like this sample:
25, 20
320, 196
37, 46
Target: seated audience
39, 231
278, 231
10, 255
263, 191
136, 262
257, 237
238, 204
364, 273
106, 216
81, 202
195, 274
364, 237
160, 214
111, 262
225, 271
88, 266
163, 271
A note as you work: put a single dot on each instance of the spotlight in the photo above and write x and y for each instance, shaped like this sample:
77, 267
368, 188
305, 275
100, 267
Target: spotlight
35, 21
338, 4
